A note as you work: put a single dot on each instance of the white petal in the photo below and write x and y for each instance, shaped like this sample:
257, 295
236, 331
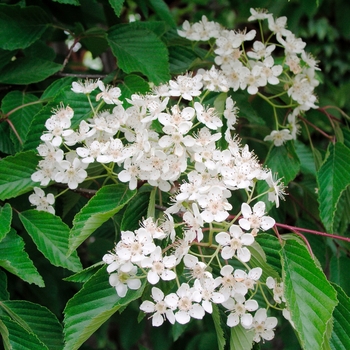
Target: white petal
147, 306
152, 277
246, 210
244, 223
182, 317
243, 254
259, 208
251, 305
157, 320
267, 222
246, 320
157, 294
232, 320
197, 312
223, 238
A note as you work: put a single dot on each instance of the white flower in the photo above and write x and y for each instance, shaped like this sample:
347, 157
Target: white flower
160, 266
85, 87
229, 285
263, 326
135, 246
186, 301
255, 219
206, 286
186, 86
279, 137
258, 14
276, 190
197, 268
234, 243
72, 171
277, 288
249, 279
207, 116
122, 281
239, 307
41, 201
160, 308
109, 94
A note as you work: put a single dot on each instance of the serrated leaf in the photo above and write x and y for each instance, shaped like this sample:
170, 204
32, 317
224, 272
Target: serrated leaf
284, 161
5, 336
271, 246
218, 329
310, 297
6, 56
84, 275
51, 237
18, 337
4, 294
27, 106
338, 272
332, 181
95, 303
106, 203
307, 163
15, 173
258, 259
56, 87
35, 319
140, 50
181, 59
241, 338
15, 259
27, 70
135, 211
23, 25
117, 6
133, 84
340, 338
5, 220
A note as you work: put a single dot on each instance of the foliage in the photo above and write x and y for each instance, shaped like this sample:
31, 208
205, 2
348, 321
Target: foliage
112, 70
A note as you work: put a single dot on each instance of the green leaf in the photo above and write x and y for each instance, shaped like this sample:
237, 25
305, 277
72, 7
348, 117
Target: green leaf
5, 336
332, 181
84, 275
106, 203
338, 272
14, 259
20, 27
68, 2
17, 337
5, 220
241, 338
117, 6
217, 324
162, 10
284, 161
6, 56
4, 294
340, 338
258, 259
307, 164
180, 59
27, 106
310, 297
56, 87
51, 237
95, 303
140, 50
271, 246
133, 84
15, 173
27, 70
37, 320
136, 209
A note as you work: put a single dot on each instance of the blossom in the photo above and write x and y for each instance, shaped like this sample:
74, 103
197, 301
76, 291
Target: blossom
186, 301
229, 286
109, 94
41, 201
277, 288
279, 137
159, 266
186, 86
160, 309
72, 171
276, 189
85, 87
263, 326
248, 279
122, 281
234, 243
239, 307
255, 219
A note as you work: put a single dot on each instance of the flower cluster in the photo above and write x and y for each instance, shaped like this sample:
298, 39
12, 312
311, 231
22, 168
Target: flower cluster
246, 65
171, 139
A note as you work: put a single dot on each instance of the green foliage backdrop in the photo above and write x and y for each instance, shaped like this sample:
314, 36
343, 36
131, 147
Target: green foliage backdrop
55, 292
